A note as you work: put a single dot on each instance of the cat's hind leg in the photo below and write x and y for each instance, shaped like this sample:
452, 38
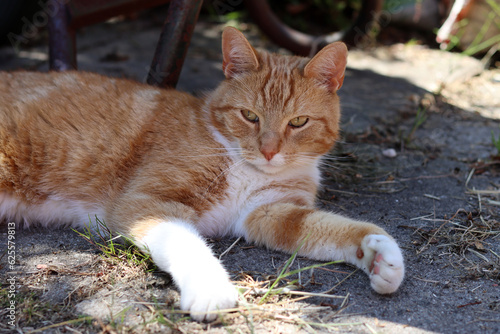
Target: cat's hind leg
328, 236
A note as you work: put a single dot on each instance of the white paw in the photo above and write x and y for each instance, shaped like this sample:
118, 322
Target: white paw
383, 262
203, 297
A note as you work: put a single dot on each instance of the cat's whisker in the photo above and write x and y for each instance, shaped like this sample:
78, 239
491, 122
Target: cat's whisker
333, 160
335, 157
326, 165
224, 148
301, 161
228, 154
305, 159
219, 152
310, 158
307, 155
224, 172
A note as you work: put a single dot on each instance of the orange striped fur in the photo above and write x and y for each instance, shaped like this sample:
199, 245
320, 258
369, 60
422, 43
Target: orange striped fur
166, 168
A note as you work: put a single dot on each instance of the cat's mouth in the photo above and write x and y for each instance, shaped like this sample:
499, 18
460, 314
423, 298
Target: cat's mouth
273, 166
270, 169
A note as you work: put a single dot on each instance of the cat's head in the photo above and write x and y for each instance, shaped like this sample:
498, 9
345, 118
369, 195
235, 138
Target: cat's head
281, 111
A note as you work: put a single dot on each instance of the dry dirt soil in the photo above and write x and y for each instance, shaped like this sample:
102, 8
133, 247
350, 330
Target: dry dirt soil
438, 196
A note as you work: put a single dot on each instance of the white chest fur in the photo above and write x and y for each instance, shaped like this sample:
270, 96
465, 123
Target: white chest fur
248, 188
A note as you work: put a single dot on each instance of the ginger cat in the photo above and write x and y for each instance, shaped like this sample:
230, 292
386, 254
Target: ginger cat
166, 168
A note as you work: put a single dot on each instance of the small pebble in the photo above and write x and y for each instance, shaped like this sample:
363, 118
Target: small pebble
390, 153
496, 78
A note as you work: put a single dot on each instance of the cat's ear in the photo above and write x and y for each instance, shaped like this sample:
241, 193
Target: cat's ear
328, 66
238, 55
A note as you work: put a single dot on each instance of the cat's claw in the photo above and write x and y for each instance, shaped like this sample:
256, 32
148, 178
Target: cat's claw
383, 262
205, 299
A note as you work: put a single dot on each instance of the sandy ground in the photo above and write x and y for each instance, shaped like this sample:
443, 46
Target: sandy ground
438, 197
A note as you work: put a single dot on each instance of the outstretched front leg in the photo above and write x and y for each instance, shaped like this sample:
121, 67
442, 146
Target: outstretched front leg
165, 232
328, 236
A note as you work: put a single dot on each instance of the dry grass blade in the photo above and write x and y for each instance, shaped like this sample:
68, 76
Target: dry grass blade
64, 323
475, 191
286, 291
466, 234
483, 192
437, 231
271, 299
229, 248
492, 202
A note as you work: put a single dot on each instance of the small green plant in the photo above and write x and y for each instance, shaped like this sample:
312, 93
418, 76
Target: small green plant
285, 273
115, 246
420, 119
4, 300
413, 41
164, 316
496, 142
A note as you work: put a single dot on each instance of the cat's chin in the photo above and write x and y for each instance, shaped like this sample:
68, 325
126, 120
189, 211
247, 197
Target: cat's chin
268, 168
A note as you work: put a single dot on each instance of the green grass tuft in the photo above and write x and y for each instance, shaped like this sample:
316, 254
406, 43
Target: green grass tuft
420, 119
285, 273
496, 142
115, 247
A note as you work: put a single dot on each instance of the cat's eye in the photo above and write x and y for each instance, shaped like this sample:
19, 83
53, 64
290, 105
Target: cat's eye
297, 122
250, 115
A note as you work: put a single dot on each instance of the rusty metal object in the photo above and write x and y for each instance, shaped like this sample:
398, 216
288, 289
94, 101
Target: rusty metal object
69, 15
62, 46
172, 45
307, 45
88, 12
174, 42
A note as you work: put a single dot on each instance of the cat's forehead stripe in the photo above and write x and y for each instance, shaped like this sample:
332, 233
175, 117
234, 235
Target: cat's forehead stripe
278, 86
285, 64
275, 91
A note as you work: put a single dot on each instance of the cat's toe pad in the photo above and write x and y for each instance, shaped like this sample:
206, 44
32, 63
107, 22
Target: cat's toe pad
385, 263
204, 300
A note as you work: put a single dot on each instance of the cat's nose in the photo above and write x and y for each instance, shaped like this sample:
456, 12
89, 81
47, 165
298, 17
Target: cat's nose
268, 154
269, 144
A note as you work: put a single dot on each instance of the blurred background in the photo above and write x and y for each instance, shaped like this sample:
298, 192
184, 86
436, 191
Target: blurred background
468, 26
